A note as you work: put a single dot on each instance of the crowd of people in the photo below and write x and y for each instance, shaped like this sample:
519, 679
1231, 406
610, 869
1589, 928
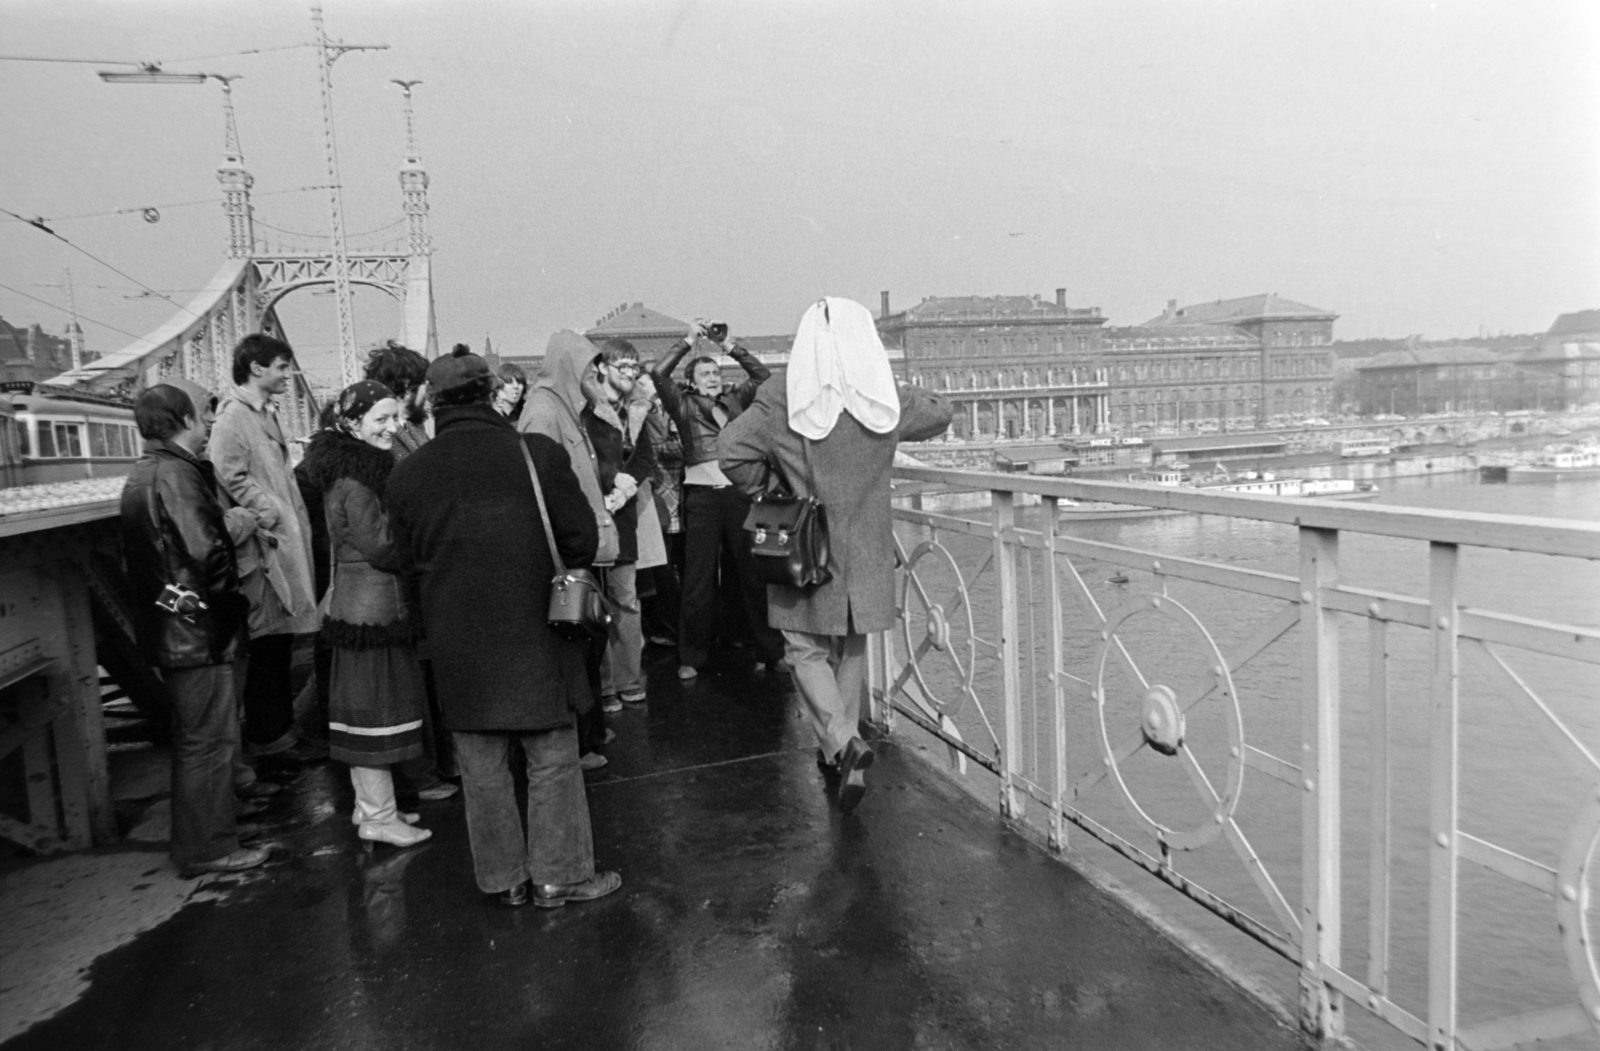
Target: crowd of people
416, 541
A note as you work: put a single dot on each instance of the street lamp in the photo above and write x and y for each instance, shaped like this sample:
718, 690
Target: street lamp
152, 75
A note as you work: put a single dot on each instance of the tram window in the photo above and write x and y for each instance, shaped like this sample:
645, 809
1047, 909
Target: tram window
69, 440
23, 447
135, 445
97, 441
47, 441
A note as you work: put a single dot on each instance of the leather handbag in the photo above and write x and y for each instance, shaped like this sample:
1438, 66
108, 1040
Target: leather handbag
789, 537
579, 608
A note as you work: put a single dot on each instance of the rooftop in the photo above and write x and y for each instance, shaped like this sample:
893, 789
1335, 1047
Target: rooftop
1415, 356
1579, 322
636, 319
1267, 306
1008, 308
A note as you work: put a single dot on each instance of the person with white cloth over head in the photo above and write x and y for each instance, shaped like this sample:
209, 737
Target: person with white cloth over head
828, 427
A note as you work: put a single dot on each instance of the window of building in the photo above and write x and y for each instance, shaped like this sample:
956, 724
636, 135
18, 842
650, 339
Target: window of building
1060, 349
1083, 342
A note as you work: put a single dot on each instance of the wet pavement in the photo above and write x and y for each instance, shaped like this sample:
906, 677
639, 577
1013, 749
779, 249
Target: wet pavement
753, 914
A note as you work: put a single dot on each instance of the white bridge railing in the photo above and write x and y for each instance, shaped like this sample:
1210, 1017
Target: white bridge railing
1189, 713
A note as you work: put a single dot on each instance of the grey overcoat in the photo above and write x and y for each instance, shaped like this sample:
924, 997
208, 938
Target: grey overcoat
849, 473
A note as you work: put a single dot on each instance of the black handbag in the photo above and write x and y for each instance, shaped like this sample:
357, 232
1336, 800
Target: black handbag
579, 608
789, 537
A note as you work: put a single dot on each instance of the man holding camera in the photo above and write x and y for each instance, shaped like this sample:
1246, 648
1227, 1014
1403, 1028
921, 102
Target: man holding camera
714, 511
191, 620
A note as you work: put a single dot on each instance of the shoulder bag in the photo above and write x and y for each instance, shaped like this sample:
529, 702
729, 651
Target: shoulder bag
789, 536
579, 609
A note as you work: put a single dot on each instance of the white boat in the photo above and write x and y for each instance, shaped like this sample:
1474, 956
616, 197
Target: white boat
1558, 463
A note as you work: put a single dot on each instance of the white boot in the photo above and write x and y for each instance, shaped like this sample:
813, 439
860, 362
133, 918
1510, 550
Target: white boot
380, 821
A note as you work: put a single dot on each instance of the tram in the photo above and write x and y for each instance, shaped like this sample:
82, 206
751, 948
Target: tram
50, 438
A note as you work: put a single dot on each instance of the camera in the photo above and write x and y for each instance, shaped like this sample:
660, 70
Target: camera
175, 598
717, 331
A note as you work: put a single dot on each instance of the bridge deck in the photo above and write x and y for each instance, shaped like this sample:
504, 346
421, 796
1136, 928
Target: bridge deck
753, 914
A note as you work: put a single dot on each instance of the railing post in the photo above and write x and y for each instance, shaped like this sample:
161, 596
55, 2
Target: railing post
1443, 734
1005, 564
1380, 840
1321, 1008
1050, 522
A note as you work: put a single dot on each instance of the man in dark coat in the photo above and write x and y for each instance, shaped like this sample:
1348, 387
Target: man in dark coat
828, 428
713, 510
468, 532
180, 554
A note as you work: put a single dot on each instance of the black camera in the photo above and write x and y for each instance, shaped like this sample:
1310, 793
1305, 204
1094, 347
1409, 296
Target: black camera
175, 598
717, 331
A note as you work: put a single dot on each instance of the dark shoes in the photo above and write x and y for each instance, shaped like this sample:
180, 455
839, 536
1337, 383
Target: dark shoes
238, 861
515, 897
853, 765
555, 895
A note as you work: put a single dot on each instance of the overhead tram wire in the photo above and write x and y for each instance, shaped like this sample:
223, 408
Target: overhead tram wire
141, 208
39, 225
81, 316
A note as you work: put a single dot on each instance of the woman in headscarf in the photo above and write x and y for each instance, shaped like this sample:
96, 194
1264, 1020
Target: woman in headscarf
376, 694
828, 427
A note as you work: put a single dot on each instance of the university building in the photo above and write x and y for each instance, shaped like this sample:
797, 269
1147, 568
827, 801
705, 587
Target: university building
1021, 366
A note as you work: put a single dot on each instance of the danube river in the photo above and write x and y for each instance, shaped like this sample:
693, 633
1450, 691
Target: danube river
1514, 791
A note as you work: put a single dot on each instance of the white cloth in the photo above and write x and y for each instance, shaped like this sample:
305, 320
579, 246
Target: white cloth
838, 365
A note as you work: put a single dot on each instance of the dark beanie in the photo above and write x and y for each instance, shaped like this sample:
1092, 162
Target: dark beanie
459, 368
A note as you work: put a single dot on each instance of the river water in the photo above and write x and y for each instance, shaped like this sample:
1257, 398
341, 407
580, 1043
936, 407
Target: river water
1514, 790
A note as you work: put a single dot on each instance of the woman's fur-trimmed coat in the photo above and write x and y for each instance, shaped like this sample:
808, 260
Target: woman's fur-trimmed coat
365, 606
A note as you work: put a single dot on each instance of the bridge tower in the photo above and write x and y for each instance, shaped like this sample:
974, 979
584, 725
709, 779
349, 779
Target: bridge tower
263, 265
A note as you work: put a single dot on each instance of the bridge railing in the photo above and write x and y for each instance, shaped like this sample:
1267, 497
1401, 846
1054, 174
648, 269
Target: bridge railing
1283, 729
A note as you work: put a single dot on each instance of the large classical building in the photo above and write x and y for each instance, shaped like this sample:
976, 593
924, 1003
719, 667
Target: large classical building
1022, 366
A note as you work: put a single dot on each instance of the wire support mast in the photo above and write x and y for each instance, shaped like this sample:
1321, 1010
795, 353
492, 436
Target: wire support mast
328, 52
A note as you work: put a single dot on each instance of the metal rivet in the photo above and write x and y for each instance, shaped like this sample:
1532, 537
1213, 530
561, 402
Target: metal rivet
1306, 596
1442, 839
1444, 622
1155, 567
1221, 818
1105, 636
1107, 762
1234, 751
1372, 1002
1155, 601
1375, 610
1309, 785
1569, 892
1306, 746
1217, 671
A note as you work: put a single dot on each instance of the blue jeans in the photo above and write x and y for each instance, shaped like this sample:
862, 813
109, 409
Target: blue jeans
619, 675
205, 742
559, 846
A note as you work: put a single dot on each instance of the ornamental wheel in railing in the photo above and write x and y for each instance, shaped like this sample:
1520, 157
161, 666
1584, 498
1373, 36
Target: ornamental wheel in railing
941, 644
1162, 722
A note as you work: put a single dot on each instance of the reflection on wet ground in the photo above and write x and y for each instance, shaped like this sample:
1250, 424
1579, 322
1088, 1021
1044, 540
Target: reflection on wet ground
753, 914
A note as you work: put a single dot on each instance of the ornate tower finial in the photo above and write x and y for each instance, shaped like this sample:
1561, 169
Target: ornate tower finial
414, 180
236, 182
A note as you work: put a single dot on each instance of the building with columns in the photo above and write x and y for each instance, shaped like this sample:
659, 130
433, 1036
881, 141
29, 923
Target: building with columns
1014, 366
1021, 366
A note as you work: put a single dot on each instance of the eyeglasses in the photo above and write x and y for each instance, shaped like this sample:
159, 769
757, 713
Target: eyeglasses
626, 366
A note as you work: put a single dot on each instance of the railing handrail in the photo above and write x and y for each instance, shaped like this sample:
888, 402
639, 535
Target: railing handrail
1526, 533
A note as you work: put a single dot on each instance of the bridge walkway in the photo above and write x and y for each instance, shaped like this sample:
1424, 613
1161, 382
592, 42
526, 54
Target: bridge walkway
753, 915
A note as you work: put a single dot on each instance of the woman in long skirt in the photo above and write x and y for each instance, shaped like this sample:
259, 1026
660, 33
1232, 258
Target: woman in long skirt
376, 696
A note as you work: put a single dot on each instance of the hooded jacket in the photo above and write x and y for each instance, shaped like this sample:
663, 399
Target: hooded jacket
555, 409
622, 445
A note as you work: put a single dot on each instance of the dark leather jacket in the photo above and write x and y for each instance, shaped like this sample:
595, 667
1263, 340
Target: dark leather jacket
691, 410
173, 532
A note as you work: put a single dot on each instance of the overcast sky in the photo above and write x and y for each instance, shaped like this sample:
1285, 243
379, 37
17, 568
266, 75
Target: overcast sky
1416, 167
